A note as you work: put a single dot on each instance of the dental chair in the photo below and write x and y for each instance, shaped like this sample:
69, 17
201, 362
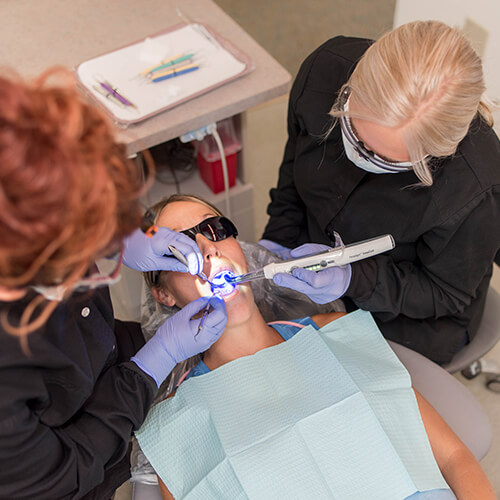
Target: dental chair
454, 402
469, 361
447, 394
142, 491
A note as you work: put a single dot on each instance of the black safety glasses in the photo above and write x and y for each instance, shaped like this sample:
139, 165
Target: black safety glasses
214, 228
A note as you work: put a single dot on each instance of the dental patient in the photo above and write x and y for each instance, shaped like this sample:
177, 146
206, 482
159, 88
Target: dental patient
187, 457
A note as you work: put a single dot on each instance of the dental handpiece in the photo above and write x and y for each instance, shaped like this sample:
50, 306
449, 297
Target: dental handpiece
338, 256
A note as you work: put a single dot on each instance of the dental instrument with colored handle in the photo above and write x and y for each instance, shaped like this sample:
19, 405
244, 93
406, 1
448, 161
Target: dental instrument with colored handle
168, 64
203, 318
173, 73
338, 256
113, 92
180, 257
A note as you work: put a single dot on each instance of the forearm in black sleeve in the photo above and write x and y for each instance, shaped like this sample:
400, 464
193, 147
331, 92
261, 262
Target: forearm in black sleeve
451, 263
380, 285
286, 210
45, 462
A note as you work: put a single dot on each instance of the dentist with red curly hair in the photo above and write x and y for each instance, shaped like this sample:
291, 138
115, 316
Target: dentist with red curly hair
74, 382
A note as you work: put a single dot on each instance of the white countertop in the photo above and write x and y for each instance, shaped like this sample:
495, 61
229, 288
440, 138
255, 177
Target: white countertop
37, 34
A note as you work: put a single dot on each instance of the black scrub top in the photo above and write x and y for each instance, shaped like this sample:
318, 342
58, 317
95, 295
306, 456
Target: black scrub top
429, 292
67, 408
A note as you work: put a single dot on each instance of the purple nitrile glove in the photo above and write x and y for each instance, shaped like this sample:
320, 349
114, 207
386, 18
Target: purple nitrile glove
144, 253
321, 286
178, 338
276, 248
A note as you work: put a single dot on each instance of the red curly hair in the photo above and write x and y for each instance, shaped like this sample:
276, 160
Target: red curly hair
68, 193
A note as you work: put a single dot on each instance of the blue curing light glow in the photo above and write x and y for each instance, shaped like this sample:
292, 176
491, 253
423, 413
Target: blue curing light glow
222, 287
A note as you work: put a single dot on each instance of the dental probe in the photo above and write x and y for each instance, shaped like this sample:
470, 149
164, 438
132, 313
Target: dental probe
339, 256
180, 257
149, 228
203, 318
217, 292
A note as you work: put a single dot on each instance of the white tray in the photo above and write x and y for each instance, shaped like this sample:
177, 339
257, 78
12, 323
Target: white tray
219, 62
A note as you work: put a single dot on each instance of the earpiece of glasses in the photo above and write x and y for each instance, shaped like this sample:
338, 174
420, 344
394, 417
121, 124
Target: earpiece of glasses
214, 228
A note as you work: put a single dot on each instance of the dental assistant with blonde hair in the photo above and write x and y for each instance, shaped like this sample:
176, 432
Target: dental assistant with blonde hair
74, 382
394, 136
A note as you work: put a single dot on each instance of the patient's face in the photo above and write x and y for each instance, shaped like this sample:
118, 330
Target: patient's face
182, 288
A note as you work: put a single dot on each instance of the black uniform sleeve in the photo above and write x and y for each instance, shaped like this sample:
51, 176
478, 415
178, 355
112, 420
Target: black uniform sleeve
286, 210
434, 303
67, 407
313, 93
452, 261
38, 460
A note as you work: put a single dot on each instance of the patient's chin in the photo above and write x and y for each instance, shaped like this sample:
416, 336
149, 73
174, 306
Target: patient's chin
240, 303
228, 297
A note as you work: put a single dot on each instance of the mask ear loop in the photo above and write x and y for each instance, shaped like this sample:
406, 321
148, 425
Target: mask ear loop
58, 292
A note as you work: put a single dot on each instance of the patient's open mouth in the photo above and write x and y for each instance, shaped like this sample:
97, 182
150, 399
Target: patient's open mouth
224, 289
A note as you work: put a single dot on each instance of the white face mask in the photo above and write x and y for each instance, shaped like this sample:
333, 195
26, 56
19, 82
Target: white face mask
58, 292
51, 292
367, 165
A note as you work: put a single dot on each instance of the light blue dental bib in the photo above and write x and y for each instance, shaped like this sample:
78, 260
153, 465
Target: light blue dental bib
329, 414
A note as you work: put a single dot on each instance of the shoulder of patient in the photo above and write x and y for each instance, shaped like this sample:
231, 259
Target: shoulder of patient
325, 318
169, 395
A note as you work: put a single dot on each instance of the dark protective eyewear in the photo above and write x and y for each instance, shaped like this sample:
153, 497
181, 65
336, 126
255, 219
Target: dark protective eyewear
214, 229
358, 145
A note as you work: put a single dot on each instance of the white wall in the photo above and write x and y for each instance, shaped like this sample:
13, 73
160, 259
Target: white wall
460, 14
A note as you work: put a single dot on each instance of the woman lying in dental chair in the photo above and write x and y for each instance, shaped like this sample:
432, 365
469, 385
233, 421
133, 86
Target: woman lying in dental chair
219, 436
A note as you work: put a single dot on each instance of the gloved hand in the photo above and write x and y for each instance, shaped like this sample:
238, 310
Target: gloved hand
144, 253
276, 248
175, 340
322, 286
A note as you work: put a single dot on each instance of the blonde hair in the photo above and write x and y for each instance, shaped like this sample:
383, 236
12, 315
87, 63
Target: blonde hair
156, 209
426, 77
